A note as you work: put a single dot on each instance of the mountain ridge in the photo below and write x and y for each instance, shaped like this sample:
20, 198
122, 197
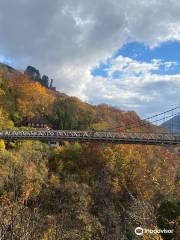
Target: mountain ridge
28, 98
173, 124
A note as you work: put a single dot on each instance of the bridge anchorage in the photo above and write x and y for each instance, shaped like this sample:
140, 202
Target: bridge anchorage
93, 136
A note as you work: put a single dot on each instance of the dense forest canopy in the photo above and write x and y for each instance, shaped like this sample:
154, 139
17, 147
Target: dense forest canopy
80, 191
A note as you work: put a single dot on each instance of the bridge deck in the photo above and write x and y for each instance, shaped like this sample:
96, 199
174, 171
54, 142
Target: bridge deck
107, 137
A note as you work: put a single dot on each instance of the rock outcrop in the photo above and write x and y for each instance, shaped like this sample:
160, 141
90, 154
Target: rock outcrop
45, 81
35, 75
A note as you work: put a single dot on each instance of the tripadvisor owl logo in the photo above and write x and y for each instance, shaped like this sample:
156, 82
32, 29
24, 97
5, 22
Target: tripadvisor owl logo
139, 231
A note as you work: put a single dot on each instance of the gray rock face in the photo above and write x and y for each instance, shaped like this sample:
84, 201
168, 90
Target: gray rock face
45, 81
51, 84
33, 73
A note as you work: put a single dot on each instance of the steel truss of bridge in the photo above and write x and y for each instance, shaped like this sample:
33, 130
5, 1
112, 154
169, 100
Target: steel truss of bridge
93, 136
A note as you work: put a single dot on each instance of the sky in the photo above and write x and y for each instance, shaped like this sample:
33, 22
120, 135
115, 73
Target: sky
124, 53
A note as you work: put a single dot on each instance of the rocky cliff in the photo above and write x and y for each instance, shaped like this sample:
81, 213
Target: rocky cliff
35, 75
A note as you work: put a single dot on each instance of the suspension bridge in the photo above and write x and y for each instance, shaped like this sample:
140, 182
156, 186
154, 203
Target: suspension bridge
116, 135
92, 136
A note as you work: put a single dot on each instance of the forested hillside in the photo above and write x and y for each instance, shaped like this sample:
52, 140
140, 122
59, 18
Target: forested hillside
80, 191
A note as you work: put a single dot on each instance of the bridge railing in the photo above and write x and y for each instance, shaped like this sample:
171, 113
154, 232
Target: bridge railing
93, 136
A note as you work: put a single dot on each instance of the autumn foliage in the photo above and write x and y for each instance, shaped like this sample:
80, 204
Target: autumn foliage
80, 191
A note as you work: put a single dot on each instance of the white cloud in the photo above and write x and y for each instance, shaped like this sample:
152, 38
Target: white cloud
134, 81
128, 66
137, 86
66, 39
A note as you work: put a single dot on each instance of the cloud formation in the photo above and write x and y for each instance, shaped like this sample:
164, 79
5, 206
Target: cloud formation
137, 85
67, 39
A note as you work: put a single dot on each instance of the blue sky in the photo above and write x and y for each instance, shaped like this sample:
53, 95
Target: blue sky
4, 59
168, 52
